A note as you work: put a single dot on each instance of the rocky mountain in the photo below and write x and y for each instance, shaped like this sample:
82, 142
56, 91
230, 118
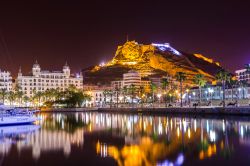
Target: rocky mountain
152, 60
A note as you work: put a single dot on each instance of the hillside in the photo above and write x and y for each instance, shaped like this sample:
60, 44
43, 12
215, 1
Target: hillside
151, 60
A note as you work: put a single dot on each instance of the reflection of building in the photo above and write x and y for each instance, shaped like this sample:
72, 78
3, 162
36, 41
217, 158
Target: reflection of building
40, 81
5, 80
45, 141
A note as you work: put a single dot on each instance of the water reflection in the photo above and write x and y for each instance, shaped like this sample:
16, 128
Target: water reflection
131, 139
154, 140
10, 135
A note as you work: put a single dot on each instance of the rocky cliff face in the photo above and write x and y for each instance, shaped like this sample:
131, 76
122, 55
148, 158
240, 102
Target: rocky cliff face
150, 60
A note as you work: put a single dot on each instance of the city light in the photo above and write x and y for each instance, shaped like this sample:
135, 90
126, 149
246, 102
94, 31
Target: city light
102, 64
166, 46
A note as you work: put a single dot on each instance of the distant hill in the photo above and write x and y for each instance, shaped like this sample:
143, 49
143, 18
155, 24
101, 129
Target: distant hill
151, 60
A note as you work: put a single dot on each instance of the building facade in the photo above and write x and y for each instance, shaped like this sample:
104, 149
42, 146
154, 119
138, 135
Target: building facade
130, 78
243, 75
5, 80
216, 93
40, 81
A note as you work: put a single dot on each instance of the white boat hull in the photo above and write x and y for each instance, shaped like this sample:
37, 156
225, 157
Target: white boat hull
15, 120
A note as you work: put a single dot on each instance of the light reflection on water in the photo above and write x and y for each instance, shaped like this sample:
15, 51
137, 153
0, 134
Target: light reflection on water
120, 139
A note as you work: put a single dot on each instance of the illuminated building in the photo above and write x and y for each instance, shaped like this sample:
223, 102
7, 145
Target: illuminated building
40, 81
5, 80
243, 75
130, 78
216, 93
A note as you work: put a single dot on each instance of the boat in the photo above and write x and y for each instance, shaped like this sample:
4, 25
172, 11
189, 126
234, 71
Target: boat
16, 116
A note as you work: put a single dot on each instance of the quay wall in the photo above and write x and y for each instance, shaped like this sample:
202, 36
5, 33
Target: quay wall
186, 110
175, 110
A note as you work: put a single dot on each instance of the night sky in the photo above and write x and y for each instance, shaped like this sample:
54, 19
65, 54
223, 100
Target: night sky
85, 33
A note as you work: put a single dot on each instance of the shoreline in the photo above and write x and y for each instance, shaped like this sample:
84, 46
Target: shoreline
239, 111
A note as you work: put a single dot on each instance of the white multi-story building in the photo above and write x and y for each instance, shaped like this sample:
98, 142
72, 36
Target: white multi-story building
243, 75
130, 78
40, 81
5, 80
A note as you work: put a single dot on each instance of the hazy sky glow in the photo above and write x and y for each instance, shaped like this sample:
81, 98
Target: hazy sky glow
87, 32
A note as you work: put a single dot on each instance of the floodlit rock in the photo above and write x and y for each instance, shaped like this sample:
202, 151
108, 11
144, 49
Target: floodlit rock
151, 60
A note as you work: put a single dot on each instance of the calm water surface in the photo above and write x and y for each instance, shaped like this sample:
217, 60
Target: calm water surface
118, 139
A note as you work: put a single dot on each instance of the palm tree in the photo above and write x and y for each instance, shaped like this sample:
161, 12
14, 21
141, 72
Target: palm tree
124, 93
132, 90
153, 88
223, 77
110, 92
233, 83
117, 92
38, 95
141, 93
200, 81
180, 76
3, 94
105, 93
11, 97
19, 93
25, 100
165, 84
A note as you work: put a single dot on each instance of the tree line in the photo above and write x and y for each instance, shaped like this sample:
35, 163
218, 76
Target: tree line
71, 97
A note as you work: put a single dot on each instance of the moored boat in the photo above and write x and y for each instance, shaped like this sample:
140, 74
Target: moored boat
16, 116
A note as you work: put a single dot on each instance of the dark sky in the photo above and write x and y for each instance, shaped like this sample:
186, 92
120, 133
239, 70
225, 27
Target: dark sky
87, 32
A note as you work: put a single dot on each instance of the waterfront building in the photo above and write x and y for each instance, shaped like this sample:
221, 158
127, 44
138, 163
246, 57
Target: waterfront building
130, 78
216, 93
40, 80
243, 74
5, 80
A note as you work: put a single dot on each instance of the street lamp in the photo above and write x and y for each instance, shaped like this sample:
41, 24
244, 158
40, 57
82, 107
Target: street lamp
211, 91
159, 97
239, 89
188, 96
